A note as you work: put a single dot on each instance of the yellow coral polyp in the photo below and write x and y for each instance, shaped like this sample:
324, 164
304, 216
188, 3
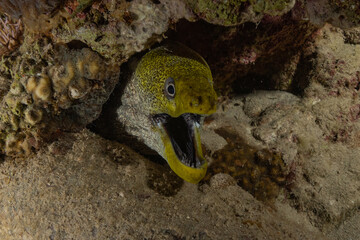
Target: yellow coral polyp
70, 73
17, 145
80, 66
93, 69
33, 116
62, 80
43, 89
40, 88
31, 84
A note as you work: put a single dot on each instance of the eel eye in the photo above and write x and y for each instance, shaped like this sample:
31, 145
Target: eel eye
170, 88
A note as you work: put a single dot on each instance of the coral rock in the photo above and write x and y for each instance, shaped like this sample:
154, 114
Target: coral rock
65, 94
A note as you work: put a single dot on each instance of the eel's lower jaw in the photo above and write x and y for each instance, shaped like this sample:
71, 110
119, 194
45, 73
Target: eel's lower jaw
182, 145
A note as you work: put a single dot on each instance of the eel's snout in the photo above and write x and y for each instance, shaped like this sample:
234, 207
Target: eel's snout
203, 103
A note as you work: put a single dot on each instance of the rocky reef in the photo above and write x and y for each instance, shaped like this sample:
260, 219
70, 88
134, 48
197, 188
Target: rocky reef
53, 89
283, 144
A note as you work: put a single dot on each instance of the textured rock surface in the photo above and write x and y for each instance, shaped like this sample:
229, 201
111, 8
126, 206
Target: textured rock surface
317, 134
343, 14
235, 12
118, 29
91, 188
339, 13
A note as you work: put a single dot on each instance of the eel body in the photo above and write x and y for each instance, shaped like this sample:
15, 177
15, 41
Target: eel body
164, 103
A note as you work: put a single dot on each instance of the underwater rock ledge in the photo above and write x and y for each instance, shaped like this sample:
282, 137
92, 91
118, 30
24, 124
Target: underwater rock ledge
115, 30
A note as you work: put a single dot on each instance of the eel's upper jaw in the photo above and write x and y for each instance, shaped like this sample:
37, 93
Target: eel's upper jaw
181, 139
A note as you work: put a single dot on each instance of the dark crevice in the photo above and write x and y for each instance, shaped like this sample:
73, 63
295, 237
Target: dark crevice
76, 44
252, 82
246, 57
98, 39
303, 73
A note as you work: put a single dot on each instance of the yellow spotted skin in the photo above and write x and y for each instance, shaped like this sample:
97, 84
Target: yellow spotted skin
194, 93
192, 76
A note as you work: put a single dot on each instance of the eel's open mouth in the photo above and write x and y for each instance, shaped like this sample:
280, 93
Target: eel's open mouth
181, 139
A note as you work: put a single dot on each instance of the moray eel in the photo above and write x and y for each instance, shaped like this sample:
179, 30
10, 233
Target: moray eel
164, 102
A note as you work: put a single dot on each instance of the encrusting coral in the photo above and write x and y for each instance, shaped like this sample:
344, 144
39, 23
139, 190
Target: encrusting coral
118, 29
235, 12
46, 98
260, 172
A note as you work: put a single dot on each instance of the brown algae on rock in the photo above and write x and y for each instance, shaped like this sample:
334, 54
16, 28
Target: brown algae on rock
118, 29
236, 12
260, 172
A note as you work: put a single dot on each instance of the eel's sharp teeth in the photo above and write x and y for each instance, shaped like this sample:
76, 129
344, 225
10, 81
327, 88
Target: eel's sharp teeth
183, 135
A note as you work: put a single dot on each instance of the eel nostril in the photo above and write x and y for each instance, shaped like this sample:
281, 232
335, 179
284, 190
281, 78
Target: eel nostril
199, 99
